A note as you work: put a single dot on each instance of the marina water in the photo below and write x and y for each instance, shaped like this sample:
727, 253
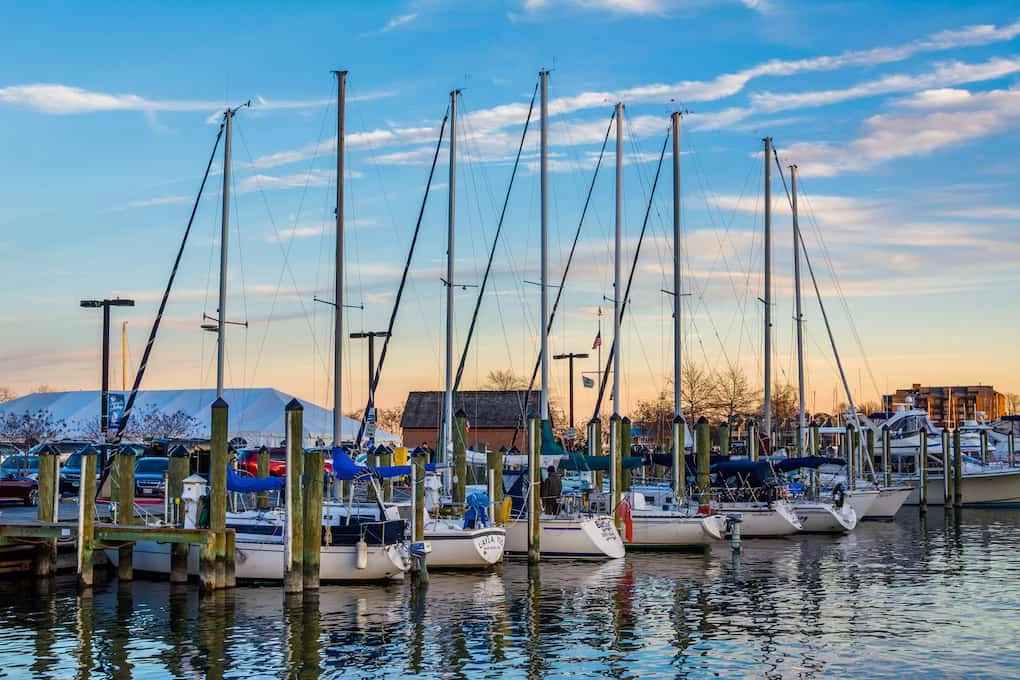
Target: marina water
934, 597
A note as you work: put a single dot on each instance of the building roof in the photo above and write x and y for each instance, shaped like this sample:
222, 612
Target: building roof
487, 409
255, 414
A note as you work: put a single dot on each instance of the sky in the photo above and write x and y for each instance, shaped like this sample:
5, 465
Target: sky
901, 117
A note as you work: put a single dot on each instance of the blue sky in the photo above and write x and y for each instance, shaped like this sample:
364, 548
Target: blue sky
901, 115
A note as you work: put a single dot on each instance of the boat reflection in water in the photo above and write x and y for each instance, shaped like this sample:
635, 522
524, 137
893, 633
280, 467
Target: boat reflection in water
809, 605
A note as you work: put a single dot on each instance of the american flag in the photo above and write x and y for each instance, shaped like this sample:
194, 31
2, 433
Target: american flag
598, 341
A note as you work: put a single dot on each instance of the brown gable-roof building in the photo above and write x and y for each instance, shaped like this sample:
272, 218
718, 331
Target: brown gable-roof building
492, 416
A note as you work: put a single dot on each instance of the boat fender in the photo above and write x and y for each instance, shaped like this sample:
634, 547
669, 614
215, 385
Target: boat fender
362, 554
504, 511
623, 509
838, 496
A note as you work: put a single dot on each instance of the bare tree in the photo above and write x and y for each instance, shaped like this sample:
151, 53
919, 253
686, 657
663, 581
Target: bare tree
698, 391
734, 394
6, 394
784, 404
656, 417
504, 379
1012, 403
39, 426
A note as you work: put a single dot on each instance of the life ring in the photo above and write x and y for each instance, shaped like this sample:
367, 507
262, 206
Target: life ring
838, 496
623, 512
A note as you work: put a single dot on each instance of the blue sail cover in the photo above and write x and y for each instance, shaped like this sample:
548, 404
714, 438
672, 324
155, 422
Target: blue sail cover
236, 482
477, 513
809, 462
346, 469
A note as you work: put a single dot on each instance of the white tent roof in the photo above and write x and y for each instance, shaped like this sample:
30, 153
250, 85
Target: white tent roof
255, 414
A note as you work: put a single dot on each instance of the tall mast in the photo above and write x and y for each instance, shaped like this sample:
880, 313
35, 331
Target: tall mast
338, 282
123, 356
617, 270
447, 440
799, 318
677, 407
767, 416
221, 313
543, 77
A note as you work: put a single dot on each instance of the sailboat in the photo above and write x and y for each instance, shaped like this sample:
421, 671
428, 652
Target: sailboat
568, 533
356, 547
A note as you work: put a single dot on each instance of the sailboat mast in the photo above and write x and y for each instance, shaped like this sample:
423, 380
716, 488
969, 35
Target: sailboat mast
338, 281
677, 406
801, 419
447, 439
617, 266
543, 77
767, 300
221, 313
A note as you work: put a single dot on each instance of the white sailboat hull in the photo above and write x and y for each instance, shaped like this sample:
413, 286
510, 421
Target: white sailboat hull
586, 538
456, 548
888, 503
667, 530
825, 518
762, 520
996, 488
263, 561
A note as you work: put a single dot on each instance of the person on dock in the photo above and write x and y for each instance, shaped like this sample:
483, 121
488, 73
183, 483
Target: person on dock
550, 490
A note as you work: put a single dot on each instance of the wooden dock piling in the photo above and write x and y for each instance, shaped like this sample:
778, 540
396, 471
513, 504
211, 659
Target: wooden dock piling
752, 441
614, 470
703, 439
49, 493
595, 446
494, 466
887, 454
459, 457
1011, 448
983, 435
313, 518
957, 469
177, 470
816, 439
86, 516
947, 471
262, 472
293, 561
418, 460
124, 467
626, 443
534, 494
386, 460
851, 458
679, 459
922, 468
724, 438
218, 486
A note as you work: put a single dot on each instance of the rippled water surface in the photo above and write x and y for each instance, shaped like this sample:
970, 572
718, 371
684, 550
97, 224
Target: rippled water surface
934, 598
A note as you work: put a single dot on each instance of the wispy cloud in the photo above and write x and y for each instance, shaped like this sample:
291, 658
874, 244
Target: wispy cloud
159, 200
399, 21
639, 7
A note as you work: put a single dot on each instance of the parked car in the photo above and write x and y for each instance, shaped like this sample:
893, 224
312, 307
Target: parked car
150, 476
248, 460
19, 479
70, 475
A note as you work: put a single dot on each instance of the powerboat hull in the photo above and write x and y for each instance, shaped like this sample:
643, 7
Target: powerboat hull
584, 538
262, 560
992, 489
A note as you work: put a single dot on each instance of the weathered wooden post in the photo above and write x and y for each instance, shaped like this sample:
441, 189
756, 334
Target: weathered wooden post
679, 460
494, 468
922, 469
124, 467
703, 438
851, 458
983, 434
293, 569
230, 559
614, 470
218, 486
86, 516
418, 460
752, 440
535, 492
386, 460
595, 446
724, 438
49, 493
262, 472
957, 470
207, 564
313, 518
626, 443
1011, 447
816, 439
947, 470
459, 457
887, 454
176, 471
869, 443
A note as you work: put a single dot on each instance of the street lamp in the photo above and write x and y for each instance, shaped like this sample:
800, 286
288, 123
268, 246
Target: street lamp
104, 398
372, 377
571, 356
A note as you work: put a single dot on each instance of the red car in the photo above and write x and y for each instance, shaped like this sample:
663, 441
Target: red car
248, 460
19, 475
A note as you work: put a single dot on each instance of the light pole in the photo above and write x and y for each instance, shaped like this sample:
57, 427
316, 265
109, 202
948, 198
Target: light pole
570, 367
372, 377
104, 397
